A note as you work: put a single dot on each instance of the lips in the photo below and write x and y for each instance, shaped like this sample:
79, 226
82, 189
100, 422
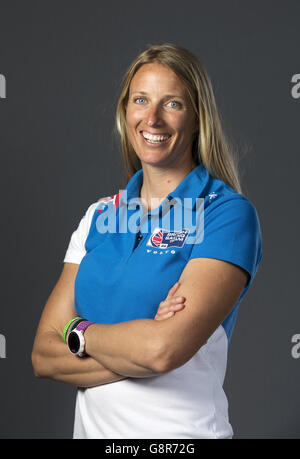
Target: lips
155, 139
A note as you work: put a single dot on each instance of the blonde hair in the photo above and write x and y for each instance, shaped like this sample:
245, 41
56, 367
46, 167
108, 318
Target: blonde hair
210, 145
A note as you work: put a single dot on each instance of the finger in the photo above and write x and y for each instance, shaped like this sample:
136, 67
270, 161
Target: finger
166, 312
177, 307
173, 289
164, 316
167, 304
170, 307
176, 300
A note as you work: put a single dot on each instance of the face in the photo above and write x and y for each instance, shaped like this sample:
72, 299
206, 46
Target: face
159, 116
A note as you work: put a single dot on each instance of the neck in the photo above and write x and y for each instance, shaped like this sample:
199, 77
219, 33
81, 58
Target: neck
159, 182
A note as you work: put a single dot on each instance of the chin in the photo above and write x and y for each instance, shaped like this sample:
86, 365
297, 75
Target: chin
154, 160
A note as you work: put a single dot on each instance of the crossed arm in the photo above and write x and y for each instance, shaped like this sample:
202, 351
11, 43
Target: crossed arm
138, 348
50, 355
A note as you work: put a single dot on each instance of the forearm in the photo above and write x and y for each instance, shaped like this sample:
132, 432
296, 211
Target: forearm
129, 348
52, 359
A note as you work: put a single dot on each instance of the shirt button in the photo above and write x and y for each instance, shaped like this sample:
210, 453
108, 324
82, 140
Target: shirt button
140, 237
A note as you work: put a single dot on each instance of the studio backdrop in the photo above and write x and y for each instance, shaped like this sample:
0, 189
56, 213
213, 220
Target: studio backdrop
61, 65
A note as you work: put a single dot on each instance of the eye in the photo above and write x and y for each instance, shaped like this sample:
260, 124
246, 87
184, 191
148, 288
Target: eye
175, 104
136, 99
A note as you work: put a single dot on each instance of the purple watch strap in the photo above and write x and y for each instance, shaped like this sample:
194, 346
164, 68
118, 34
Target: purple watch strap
83, 325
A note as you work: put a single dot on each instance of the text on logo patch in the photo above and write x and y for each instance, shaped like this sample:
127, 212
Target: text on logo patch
163, 239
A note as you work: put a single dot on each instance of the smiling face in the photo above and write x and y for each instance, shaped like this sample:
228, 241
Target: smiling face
159, 116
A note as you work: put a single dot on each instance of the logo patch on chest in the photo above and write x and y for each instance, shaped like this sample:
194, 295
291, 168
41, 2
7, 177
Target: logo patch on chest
163, 239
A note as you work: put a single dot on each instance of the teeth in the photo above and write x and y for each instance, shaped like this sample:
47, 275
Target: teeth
155, 138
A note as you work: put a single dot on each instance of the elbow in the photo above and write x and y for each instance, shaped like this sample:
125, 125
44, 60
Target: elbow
165, 355
161, 366
35, 362
38, 366
159, 358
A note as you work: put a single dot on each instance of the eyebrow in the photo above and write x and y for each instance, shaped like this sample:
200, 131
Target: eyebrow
167, 96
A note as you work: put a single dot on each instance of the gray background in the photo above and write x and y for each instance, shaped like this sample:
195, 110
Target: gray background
63, 62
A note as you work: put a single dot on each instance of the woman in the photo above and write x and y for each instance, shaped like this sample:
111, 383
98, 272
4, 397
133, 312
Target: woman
162, 378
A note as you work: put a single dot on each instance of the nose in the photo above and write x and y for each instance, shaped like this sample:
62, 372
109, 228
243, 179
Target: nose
153, 116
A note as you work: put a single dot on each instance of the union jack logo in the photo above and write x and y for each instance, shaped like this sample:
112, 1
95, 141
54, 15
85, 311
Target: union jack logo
156, 238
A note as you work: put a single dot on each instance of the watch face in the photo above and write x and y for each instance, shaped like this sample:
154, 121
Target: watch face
73, 342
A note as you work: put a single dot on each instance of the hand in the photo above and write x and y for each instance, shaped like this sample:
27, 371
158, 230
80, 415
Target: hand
170, 305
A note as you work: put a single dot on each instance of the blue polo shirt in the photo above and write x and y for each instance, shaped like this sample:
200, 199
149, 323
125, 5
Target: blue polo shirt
131, 259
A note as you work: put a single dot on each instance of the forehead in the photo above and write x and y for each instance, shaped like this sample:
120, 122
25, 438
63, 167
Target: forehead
156, 77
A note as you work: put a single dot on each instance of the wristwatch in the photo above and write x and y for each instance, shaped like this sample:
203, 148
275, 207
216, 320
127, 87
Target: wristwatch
76, 341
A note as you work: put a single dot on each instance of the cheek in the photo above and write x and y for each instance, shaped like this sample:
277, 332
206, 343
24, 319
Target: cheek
132, 118
182, 124
132, 121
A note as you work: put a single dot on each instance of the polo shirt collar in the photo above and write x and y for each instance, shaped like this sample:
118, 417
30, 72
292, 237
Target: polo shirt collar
191, 186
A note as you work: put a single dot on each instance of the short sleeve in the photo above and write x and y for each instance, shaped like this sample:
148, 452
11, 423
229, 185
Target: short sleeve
76, 249
232, 233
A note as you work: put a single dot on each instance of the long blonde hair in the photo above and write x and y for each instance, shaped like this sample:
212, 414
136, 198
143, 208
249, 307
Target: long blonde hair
210, 145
